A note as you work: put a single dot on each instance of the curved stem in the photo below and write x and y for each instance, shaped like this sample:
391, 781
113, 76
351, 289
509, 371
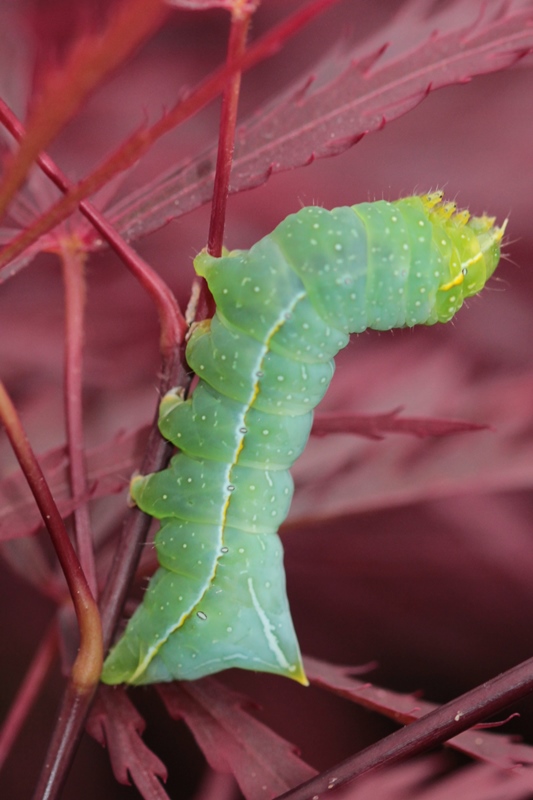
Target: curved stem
240, 22
88, 664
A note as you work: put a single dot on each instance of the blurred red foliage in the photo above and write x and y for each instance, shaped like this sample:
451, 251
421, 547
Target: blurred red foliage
411, 552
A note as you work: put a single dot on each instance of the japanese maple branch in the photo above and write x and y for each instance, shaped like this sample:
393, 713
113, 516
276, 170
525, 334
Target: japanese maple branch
240, 22
88, 664
73, 263
435, 728
141, 141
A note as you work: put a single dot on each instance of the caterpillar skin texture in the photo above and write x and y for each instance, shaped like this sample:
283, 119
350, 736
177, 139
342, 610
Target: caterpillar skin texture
284, 309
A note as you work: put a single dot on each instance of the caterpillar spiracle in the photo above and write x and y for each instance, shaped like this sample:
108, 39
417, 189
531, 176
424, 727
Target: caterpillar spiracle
284, 309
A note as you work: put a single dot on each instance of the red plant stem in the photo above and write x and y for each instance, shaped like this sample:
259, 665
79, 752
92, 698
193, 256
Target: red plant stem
141, 141
88, 664
73, 263
434, 728
173, 325
27, 692
240, 23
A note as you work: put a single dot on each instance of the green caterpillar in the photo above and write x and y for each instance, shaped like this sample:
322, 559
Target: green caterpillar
284, 309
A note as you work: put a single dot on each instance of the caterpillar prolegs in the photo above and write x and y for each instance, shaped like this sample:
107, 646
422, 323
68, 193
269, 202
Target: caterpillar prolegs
284, 309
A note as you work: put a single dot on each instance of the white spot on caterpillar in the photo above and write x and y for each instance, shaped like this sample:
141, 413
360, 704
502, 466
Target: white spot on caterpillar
201, 615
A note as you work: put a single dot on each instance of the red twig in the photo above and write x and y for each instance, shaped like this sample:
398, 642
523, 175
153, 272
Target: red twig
240, 23
88, 664
73, 262
86, 669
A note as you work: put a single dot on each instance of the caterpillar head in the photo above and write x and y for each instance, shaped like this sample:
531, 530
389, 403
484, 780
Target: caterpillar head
475, 251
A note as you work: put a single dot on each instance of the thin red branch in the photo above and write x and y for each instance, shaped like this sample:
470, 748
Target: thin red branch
73, 263
88, 664
425, 733
27, 692
141, 141
240, 23
91, 59
226, 141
